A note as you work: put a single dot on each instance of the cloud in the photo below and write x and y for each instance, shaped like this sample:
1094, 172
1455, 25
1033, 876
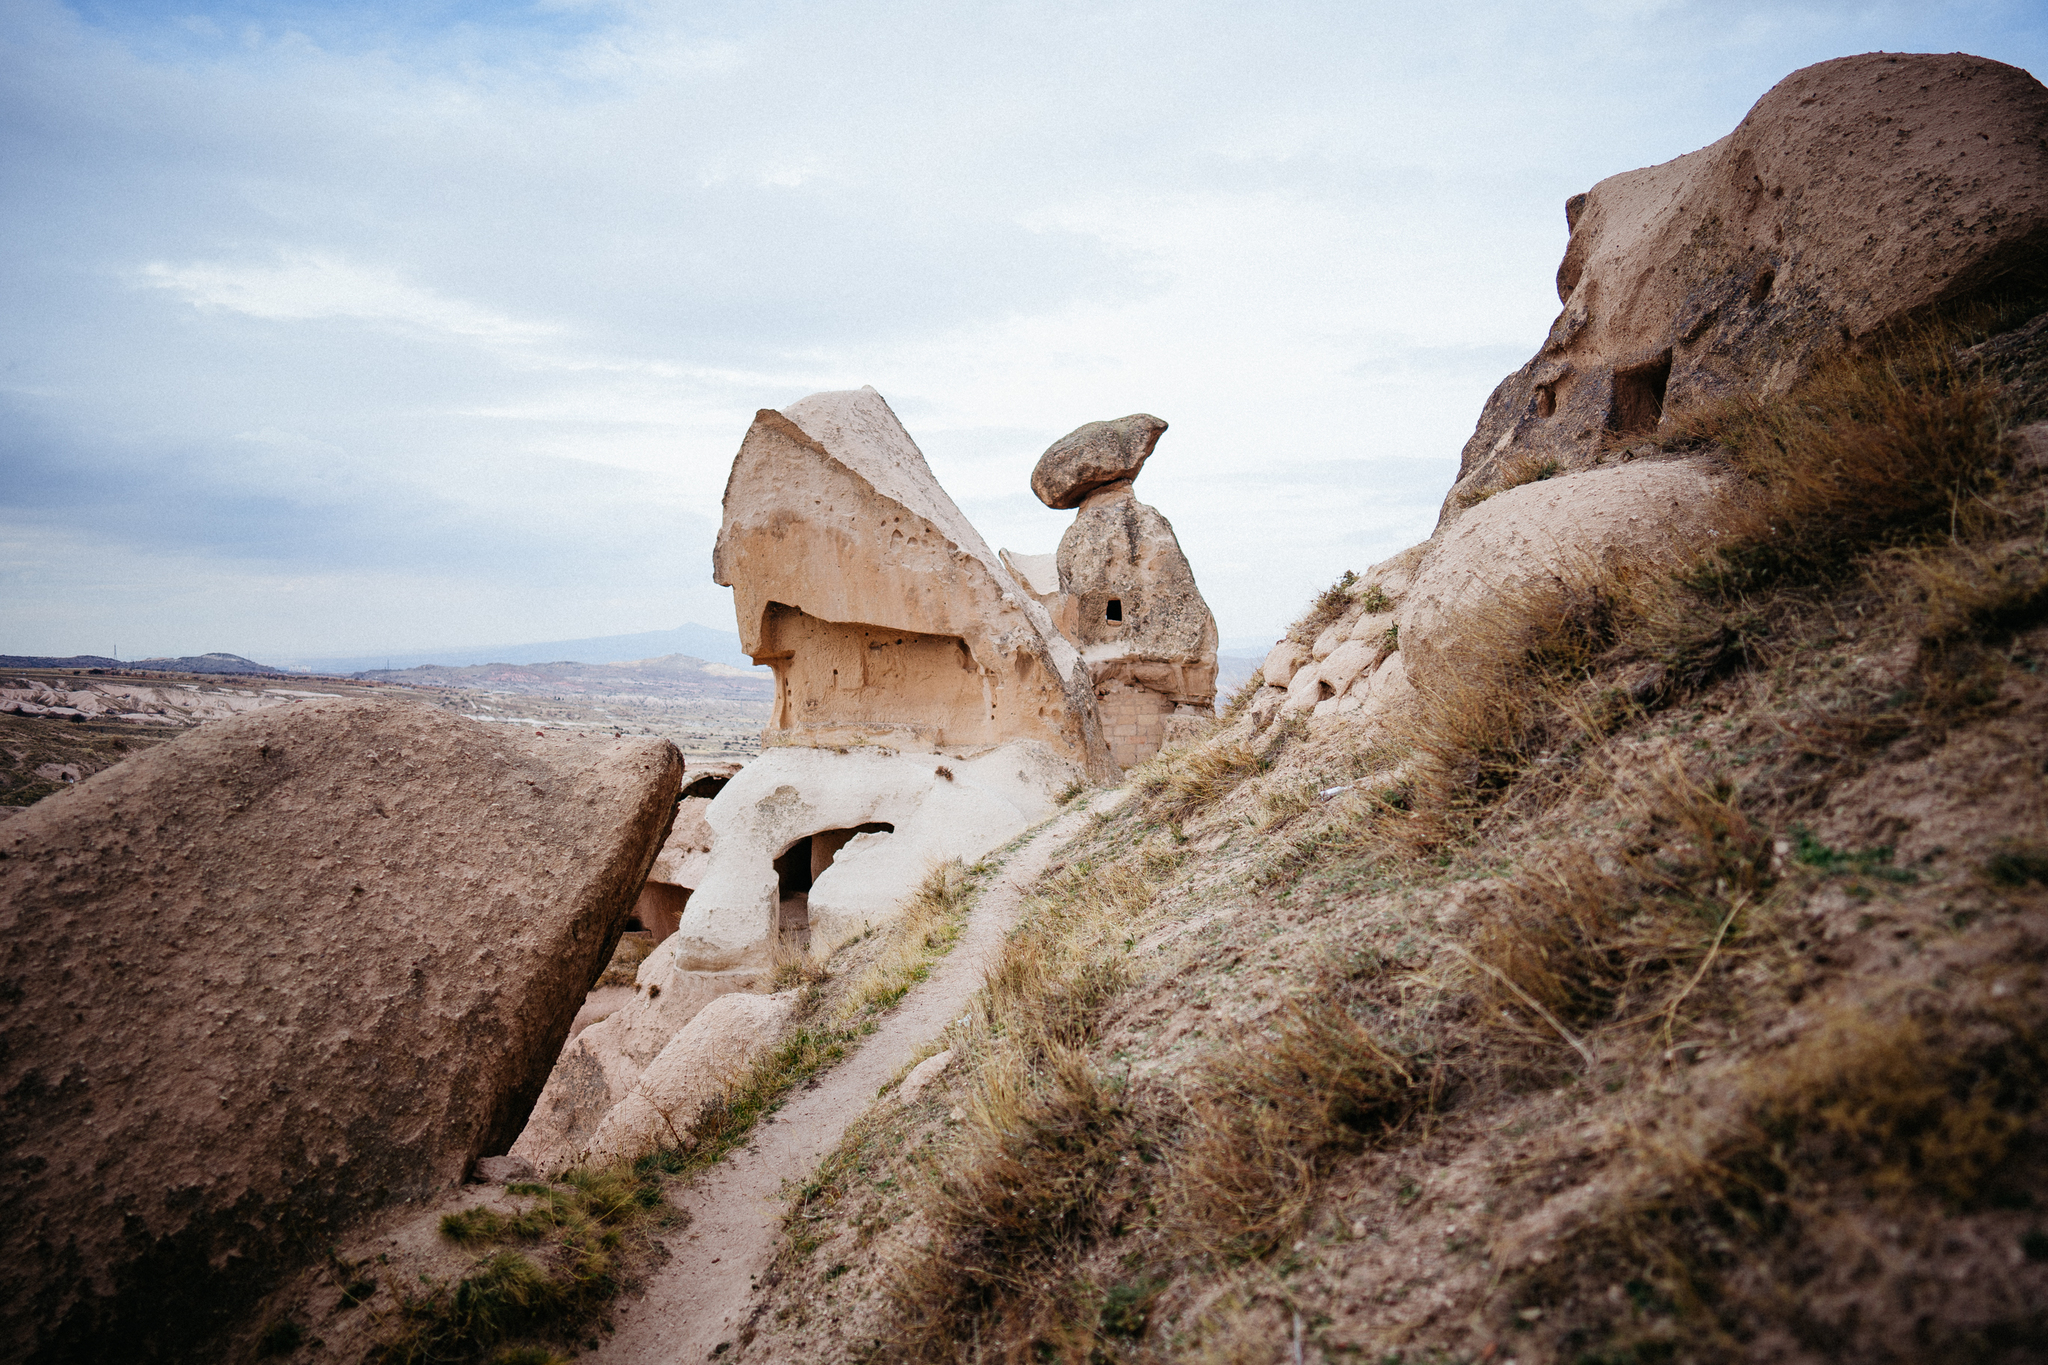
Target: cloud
311, 286
340, 302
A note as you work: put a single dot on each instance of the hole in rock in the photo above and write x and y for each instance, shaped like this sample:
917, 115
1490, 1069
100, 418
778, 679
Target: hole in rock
1760, 287
1639, 397
1546, 399
659, 910
1115, 610
801, 864
710, 784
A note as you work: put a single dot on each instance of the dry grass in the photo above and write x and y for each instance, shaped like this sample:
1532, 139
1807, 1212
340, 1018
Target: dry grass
1177, 782
1264, 1118
925, 930
1331, 603
1901, 1120
518, 1304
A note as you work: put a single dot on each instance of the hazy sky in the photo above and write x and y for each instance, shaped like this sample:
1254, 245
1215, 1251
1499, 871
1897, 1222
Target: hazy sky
336, 328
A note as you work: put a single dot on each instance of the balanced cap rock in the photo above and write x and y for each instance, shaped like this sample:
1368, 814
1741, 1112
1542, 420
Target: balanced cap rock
280, 973
1092, 457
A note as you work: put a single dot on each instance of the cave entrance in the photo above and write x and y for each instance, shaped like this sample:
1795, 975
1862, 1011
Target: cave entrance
710, 784
800, 865
1638, 404
659, 911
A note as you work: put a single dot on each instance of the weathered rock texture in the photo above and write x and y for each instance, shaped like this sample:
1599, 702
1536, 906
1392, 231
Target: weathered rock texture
884, 614
1856, 194
1093, 457
276, 975
1129, 600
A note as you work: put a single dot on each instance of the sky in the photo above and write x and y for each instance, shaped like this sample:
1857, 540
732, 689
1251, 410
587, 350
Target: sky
338, 328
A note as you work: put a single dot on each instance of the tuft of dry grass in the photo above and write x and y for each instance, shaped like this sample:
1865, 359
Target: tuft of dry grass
1177, 782
925, 930
1869, 452
1331, 603
1264, 1118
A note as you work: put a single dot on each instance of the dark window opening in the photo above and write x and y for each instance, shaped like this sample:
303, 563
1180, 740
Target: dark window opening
1639, 397
710, 784
1115, 611
799, 868
633, 924
1546, 399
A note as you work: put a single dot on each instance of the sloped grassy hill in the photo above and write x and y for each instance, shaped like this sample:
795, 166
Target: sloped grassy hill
1671, 989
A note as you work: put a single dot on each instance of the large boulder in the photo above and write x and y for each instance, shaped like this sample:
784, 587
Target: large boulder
1857, 193
1094, 456
886, 617
268, 979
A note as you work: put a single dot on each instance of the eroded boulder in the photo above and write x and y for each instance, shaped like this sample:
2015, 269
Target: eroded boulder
270, 978
1856, 194
1092, 457
886, 617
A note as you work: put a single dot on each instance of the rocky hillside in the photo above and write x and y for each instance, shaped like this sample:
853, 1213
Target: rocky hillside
1610, 932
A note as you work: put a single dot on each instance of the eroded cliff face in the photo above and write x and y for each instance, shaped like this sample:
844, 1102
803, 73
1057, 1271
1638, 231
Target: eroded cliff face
1856, 194
886, 617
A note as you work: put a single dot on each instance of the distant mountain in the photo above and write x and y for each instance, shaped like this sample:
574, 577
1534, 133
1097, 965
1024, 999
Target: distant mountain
699, 642
672, 676
191, 663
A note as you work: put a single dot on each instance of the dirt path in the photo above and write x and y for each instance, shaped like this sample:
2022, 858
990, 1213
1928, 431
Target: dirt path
702, 1296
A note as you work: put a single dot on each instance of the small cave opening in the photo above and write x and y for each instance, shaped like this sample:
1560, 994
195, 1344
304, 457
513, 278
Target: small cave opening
710, 784
800, 866
659, 911
1760, 287
1115, 610
1546, 400
1638, 404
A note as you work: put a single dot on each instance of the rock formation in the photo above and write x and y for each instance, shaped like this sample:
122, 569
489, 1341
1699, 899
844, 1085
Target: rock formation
926, 709
1092, 457
884, 614
1857, 193
1121, 589
267, 979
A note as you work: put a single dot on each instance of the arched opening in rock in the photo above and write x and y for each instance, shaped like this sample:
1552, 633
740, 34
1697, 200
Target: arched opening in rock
1546, 400
710, 784
800, 866
1115, 610
1639, 397
659, 910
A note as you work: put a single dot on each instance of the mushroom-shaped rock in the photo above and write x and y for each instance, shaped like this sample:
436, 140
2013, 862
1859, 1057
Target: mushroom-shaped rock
1092, 457
1856, 194
276, 975
884, 614
1128, 598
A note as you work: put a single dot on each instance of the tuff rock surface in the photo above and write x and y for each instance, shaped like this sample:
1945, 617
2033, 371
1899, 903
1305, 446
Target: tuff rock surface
886, 617
275, 976
1856, 194
1093, 456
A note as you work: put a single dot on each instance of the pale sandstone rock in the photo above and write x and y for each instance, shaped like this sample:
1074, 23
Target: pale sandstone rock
1855, 193
1372, 625
980, 801
1265, 705
1285, 660
922, 1075
728, 936
1093, 456
705, 1056
1129, 600
1335, 633
884, 614
1530, 540
276, 975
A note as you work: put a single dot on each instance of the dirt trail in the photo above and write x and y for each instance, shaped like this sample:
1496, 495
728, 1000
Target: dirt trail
702, 1296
